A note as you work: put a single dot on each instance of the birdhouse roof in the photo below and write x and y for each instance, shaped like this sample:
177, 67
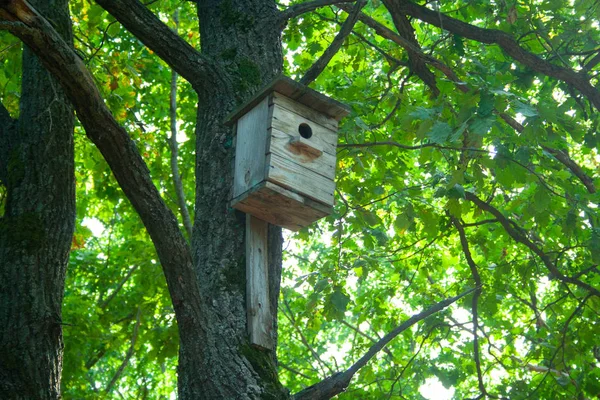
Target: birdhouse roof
295, 91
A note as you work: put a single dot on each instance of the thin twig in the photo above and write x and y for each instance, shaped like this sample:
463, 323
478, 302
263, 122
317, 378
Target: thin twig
477, 278
129, 354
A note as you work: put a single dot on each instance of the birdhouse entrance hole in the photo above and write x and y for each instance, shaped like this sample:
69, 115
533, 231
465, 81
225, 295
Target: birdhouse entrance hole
305, 131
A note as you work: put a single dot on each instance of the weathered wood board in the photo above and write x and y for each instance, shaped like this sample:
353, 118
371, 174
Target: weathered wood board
287, 121
288, 174
281, 144
250, 148
258, 307
281, 207
306, 112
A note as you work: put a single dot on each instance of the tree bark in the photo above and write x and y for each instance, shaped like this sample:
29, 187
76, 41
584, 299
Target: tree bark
217, 362
36, 229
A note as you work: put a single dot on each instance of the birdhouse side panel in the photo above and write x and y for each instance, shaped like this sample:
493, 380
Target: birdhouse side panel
251, 147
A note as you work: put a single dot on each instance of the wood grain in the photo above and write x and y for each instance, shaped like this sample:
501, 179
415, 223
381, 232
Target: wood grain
307, 112
281, 145
286, 173
280, 207
250, 148
257, 289
295, 91
287, 121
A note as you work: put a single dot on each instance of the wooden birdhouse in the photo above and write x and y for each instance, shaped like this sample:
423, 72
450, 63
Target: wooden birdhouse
286, 138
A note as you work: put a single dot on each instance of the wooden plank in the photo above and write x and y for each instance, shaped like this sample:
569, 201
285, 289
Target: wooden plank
306, 112
290, 175
280, 207
286, 121
251, 146
281, 145
295, 91
258, 308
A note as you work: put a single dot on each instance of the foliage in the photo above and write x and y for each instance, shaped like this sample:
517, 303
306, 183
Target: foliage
409, 165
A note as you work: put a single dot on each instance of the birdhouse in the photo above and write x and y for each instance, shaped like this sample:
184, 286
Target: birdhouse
285, 157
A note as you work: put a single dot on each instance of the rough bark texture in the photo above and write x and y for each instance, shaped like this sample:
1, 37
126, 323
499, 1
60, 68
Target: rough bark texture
7, 128
218, 362
36, 229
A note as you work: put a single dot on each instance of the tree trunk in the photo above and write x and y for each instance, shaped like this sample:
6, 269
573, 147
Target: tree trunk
36, 228
217, 362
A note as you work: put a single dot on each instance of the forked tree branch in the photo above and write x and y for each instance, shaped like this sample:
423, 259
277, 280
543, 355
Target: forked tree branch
315, 70
387, 33
303, 8
518, 236
417, 64
117, 148
157, 36
338, 382
580, 81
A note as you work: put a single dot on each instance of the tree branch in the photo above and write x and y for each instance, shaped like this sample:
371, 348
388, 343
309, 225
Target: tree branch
125, 361
104, 303
117, 148
143, 24
174, 146
372, 339
387, 33
417, 65
315, 70
519, 237
303, 8
493, 36
303, 339
561, 156
477, 278
338, 382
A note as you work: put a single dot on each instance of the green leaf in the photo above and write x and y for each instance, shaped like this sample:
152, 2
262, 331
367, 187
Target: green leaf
339, 300
439, 132
525, 109
486, 104
456, 192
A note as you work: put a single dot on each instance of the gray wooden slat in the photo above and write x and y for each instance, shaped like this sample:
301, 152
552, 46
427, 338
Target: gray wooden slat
258, 308
251, 146
301, 180
280, 207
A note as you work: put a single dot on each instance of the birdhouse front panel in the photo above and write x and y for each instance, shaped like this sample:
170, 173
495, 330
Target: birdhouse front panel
286, 158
